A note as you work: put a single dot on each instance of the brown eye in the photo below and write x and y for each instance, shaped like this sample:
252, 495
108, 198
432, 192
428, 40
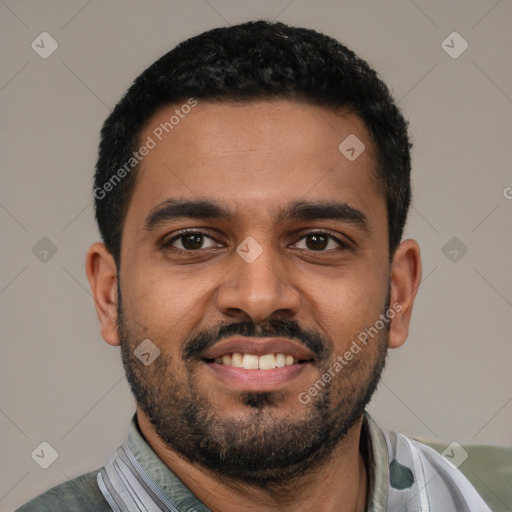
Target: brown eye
191, 241
316, 242
320, 242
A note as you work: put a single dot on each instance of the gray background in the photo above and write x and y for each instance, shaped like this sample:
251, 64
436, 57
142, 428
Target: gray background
60, 382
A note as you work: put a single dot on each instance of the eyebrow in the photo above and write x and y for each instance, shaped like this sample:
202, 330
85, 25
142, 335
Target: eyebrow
205, 209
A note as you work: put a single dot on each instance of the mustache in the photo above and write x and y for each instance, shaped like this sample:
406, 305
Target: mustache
207, 338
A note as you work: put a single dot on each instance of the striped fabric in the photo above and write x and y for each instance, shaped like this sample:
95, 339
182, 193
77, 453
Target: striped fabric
404, 476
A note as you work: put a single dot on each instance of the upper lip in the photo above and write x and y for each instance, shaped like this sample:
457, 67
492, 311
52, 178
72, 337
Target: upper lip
259, 347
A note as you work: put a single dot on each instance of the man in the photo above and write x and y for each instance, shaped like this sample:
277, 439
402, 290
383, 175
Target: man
251, 191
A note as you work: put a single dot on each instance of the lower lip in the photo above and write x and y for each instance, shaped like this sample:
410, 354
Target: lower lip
257, 380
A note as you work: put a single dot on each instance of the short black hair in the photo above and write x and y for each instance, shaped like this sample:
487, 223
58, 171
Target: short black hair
253, 61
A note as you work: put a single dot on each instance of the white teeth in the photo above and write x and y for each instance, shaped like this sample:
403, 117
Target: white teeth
280, 360
254, 362
267, 362
250, 362
237, 360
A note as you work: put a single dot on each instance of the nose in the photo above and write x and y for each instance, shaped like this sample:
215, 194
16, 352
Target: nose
258, 289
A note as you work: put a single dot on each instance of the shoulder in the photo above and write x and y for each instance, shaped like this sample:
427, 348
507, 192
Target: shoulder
81, 494
488, 469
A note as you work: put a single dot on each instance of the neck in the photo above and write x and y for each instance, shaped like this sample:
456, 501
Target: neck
340, 484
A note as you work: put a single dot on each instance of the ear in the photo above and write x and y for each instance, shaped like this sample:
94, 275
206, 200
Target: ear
405, 281
101, 272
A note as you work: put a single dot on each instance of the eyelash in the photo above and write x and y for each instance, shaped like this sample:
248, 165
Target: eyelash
182, 234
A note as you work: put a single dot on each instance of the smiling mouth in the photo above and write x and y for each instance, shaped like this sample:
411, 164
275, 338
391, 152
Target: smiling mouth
258, 362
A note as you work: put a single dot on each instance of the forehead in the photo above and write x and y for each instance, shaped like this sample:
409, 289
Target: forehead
254, 156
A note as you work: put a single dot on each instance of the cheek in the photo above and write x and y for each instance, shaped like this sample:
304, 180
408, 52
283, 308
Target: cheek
163, 305
347, 306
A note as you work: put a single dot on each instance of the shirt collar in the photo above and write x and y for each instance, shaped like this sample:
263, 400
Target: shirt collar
373, 447
164, 478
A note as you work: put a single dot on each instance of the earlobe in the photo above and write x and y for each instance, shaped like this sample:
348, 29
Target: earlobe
101, 273
405, 281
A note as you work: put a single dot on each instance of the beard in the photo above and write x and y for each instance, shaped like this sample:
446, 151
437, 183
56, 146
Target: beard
260, 446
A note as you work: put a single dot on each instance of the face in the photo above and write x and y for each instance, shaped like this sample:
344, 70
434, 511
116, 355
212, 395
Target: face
254, 254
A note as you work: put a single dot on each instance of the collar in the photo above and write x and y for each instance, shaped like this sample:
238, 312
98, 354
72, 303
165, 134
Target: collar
374, 449
137, 479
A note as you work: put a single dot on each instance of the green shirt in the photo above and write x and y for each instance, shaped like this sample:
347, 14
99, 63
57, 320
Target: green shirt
393, 477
